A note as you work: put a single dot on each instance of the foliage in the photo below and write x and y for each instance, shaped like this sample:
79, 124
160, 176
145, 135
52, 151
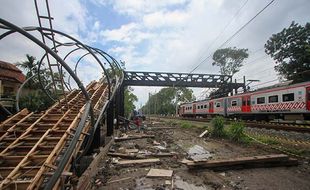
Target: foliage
236, 131
229, 59
35, 100
129, 101
165, 101
218, 126
187, 125
290, 48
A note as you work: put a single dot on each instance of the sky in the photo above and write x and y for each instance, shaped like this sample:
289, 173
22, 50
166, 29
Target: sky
161, 35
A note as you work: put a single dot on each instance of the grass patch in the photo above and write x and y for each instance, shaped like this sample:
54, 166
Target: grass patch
236, 131
186, 125
217, 124
171, 123
268, 140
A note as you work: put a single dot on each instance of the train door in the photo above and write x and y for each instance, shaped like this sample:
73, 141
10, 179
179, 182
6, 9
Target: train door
194, 109
308, 97
211, 108
246, 104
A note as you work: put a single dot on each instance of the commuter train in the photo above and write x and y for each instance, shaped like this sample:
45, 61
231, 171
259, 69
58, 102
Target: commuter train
290, 102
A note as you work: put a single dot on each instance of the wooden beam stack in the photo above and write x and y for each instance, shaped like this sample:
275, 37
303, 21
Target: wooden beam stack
32, 144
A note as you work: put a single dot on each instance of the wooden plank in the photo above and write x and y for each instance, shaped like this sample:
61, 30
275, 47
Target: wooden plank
119, 180
119, 139
203, 133
160, 173
162, 154
267, 160
86, 178
142, 161
24, 112
122, 155
160, 128
132, 150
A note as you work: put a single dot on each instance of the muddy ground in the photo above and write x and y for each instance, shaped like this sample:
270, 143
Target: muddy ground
179, 141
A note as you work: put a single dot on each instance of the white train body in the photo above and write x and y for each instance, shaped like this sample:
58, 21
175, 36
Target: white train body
282, 101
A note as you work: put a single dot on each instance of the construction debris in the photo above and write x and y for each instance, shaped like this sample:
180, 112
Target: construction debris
198, 153
121, 155
119, 139
160, 173
244, 162
203, 133
119, 180
142, 161
132, 150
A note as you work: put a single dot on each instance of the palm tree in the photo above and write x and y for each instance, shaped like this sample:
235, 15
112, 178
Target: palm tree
29, 65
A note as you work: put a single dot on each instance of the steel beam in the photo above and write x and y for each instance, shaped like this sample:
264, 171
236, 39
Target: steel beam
134, 78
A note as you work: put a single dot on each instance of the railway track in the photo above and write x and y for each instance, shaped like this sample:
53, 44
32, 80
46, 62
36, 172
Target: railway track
275, 126
31, 144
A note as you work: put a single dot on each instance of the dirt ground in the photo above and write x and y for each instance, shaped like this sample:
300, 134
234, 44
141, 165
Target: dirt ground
179, 141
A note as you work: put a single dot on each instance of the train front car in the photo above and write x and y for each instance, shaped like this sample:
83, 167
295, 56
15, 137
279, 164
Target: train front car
288, 102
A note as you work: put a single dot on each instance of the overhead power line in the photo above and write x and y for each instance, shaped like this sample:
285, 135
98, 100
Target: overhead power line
237, 32
226, 26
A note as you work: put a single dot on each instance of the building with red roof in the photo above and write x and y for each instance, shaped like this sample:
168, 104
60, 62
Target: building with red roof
10, 79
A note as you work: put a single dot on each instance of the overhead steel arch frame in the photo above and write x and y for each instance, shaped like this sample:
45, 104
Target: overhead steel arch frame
88, 108
96, 51
78, 48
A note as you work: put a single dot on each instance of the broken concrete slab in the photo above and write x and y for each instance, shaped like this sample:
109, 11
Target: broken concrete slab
198, 153
160, 173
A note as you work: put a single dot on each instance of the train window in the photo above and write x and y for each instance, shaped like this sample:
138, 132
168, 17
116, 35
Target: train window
218, 104
234, 103
248, 101
206, 104
273, 99
198, 107
260, 100
288, 97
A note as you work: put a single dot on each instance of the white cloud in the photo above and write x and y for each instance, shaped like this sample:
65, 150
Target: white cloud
162, 35
165, 19
136, 8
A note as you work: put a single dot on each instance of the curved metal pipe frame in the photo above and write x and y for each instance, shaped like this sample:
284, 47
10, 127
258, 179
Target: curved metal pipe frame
88, 108
78, 48
68, 86
21, 88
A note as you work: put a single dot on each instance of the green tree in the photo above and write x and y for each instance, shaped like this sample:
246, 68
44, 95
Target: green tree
290, 48
166, 100
229, 59
129, 101
35, 100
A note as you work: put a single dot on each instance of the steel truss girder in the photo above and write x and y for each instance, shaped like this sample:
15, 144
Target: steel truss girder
134, 78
